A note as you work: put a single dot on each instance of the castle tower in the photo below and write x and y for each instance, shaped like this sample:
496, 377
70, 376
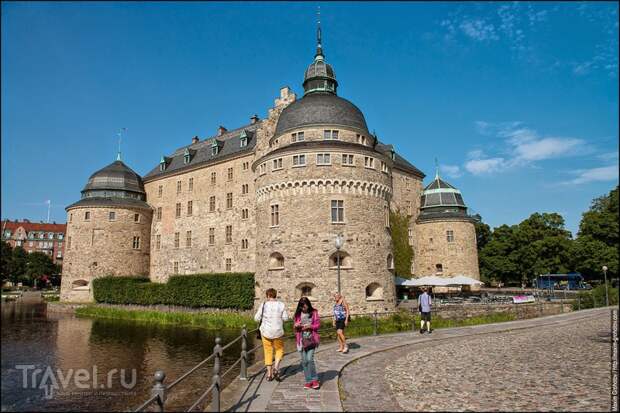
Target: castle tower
323, 175
445, 233
108, 231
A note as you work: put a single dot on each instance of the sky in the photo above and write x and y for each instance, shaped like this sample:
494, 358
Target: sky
518, 102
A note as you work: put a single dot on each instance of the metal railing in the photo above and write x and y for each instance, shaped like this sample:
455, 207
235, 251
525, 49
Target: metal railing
160, 391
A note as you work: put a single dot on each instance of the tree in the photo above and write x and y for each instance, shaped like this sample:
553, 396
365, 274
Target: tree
6, 257
17, 267
39, 265
403, 253
483, 234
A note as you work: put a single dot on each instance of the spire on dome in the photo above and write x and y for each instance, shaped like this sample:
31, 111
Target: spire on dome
319, 46
319, 76
436, 169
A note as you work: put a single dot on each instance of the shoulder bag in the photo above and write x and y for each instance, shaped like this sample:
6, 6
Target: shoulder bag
262, 311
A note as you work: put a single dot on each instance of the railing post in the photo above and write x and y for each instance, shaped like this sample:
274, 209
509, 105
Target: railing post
243, 374
217, 355
159, 389
374, 333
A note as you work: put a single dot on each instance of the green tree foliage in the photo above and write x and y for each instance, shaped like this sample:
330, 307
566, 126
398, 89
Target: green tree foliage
597, 240
18, 264
5, 255
483, 234
403, 253
40, 267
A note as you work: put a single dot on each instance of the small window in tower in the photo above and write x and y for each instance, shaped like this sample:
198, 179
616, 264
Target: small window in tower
450, 235
136, 217
87, 216
136, 243
438, 268
112, 216
228, 264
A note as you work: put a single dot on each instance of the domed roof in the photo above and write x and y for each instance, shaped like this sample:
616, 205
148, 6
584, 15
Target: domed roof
318, 109
116, 176
439, 194
319, 68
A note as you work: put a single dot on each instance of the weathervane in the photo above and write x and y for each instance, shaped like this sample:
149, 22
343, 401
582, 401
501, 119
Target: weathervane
119, 134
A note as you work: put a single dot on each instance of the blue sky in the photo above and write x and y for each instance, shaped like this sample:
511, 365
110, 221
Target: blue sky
518, 101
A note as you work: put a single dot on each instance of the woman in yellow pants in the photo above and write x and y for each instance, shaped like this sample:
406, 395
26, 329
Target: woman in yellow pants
272, 314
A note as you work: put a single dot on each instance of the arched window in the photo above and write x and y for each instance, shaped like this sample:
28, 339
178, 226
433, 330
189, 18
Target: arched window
345, 260
305, 289
80, 285
276, 261
374, 291
390, 262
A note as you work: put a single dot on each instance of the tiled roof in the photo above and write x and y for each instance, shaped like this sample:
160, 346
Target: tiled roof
109, 202
33, 226
400, 162
229, 145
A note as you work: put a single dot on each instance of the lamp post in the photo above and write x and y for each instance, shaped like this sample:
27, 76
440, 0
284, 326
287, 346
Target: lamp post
339, 242
606, 291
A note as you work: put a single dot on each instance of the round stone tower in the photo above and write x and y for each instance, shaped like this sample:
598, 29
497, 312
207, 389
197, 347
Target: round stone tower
108, 231
320, 177
445, 233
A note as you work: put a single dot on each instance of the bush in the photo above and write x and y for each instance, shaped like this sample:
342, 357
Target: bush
228, 290
595, 297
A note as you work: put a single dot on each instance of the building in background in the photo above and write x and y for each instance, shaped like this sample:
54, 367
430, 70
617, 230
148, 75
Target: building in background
32, 236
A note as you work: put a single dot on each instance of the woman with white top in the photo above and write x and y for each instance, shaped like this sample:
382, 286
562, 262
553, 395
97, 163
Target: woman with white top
271, 315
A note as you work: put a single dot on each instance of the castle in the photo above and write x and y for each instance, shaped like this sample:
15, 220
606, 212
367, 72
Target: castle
270, 197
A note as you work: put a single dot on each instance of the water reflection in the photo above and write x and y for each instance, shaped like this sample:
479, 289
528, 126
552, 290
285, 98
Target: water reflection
33, 339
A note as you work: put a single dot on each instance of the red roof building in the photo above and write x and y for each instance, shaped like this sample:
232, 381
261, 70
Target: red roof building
31, 236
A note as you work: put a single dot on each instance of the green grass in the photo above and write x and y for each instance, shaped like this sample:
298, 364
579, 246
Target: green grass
204, 320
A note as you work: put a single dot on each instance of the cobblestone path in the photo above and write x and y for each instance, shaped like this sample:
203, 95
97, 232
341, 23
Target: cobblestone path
511, 359
562, 367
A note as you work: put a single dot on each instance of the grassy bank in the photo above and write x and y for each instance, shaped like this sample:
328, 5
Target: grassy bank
206, 320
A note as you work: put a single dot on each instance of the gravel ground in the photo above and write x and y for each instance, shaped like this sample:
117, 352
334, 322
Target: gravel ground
562, 367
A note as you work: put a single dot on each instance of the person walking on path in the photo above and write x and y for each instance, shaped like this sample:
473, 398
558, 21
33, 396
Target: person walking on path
424, 305
271, 315
307, 323
340, 321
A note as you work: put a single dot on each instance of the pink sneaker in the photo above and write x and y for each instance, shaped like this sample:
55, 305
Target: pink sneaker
315, 384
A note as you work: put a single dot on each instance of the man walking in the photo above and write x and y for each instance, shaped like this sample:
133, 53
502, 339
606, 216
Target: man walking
424, 305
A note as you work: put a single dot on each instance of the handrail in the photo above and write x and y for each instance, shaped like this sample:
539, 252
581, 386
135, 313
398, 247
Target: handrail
146, 403
190, 371
201, 398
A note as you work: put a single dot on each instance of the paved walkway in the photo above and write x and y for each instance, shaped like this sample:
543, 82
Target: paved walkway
256, 394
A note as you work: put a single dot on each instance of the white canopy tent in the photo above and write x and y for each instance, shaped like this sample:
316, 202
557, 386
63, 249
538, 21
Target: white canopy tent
434, 281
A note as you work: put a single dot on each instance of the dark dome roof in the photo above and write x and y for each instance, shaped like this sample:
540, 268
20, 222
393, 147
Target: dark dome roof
116, 176
319, 68
320, 108
440, 194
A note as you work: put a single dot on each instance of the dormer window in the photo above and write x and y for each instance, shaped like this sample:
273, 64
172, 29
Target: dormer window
243, 139
393, 155
215, 148
163, 163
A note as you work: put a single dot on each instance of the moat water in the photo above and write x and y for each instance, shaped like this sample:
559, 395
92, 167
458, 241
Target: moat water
60, 345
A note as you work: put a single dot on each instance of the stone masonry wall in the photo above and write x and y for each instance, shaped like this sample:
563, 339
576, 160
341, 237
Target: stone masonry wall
100, 247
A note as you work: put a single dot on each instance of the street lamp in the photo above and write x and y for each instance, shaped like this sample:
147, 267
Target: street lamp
606, 291
339, 243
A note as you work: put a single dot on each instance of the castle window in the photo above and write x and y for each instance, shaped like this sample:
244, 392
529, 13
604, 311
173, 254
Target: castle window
112, 216
337, 209
87, 216
275, 215
243, 139
409, 209
369, 162
136, 217
70, 220
214, 148
136, 243
277, 164
410, 233
361, 139
245, 213
211, 236
390, 262
299, 160
244, 244
438, 268
384, 168
176, 240
246, 166
330, 134
159, 213
244, 189
450, 235
230, 174
178, 210
213, 177
228, 234
212, 203
347, 160
160, 190
175, 267
178, 187
229, 200
158, 242
374, 291
79, 285
346, 261
298, 137
190, 186
186, 158
386, 211
228, 264
188, 239
190, 207
323, 159
305, 289
263, 168
276, 261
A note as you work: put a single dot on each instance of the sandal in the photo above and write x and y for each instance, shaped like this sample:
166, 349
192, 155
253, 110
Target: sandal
276, 375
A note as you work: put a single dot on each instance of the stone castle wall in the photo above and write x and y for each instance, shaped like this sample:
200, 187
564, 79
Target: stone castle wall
432, 248
98, 247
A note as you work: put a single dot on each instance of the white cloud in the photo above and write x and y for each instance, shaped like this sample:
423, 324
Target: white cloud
479, 30
547, 148
484, 166
609, 156
452, 171
604, 173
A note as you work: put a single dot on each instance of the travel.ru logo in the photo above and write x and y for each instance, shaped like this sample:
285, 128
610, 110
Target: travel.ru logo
51, 381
